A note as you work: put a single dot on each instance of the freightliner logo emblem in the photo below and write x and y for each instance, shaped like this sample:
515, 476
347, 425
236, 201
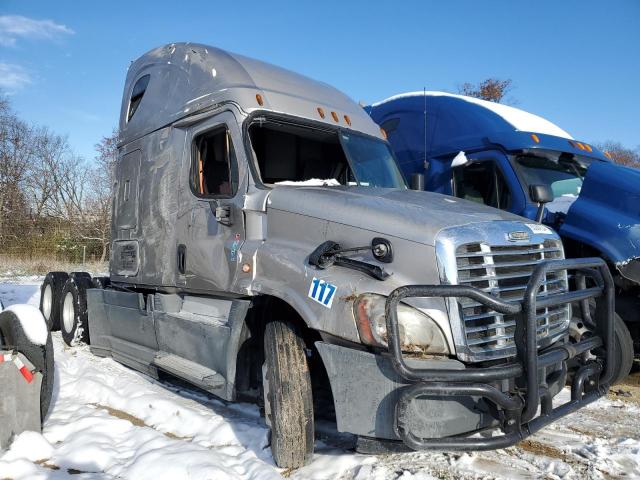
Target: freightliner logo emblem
518, 236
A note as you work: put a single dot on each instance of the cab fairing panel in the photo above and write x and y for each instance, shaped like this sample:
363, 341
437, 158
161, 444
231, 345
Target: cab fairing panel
157, 207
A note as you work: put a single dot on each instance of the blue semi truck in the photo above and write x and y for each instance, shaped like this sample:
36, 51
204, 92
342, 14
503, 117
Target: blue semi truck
510, 159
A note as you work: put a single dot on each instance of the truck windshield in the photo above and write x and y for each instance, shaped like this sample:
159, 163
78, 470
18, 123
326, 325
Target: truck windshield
290, 154
564, 174
372, 162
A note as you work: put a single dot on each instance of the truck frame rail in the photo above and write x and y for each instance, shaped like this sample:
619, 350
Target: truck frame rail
516, 411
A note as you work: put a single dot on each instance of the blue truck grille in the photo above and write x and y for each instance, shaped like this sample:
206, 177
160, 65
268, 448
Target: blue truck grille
504, 271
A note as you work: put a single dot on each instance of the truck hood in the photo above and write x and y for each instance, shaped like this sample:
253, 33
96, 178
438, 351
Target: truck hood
606, 215
407, 214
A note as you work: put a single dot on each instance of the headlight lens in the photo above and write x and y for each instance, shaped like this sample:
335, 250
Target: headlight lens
419, 333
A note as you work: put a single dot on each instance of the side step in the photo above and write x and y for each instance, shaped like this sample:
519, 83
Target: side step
192, 372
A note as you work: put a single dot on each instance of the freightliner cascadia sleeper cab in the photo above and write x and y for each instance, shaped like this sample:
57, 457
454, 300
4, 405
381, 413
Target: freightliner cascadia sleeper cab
265, 245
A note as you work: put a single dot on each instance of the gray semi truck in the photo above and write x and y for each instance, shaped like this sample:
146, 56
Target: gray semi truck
265, 246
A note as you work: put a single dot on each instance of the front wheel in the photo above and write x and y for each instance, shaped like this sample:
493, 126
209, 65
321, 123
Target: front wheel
623, 345
287, 396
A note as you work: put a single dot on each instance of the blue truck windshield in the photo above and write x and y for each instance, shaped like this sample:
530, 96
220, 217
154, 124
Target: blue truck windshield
563, 175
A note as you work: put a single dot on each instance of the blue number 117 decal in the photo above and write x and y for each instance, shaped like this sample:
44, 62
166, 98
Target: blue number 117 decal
322, 292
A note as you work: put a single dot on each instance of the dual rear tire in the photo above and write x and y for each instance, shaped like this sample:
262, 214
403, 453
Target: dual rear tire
74, 318
63, 303
50, 292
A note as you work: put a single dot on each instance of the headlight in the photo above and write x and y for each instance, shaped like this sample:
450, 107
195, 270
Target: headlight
419, 333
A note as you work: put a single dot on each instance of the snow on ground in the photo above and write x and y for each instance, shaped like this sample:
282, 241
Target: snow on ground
108, 421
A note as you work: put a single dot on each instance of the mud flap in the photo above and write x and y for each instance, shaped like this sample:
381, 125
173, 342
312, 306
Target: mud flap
20, 397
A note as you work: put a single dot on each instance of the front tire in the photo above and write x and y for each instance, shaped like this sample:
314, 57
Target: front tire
13, 336
74, 323
623, 344
288, 397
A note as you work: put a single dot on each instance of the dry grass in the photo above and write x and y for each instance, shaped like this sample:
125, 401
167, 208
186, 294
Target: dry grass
14, 267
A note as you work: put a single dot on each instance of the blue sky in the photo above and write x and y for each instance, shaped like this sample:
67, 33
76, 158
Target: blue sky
576, 63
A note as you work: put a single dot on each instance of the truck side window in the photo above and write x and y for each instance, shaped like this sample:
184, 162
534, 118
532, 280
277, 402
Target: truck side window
482, 182
136, 94
212, 169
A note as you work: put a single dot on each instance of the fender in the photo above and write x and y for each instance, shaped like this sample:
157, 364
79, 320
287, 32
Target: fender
606, 217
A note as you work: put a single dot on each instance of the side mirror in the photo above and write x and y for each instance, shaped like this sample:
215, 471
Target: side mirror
459, 160
540, 194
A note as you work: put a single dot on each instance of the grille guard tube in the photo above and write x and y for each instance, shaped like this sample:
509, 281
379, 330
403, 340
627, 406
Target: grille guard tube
518, 413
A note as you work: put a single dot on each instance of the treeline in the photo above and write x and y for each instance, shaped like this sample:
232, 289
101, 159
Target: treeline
53, 203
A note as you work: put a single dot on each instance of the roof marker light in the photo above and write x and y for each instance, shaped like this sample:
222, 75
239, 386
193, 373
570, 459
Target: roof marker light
347, 119
581, 146
259, 99
608, 155
535, 138
384, 133
588, 147
321, 112
335, 116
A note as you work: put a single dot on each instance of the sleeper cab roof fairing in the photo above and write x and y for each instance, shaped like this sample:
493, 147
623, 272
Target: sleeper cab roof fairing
186, 78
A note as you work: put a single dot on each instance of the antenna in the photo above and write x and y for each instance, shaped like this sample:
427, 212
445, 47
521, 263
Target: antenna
424, 159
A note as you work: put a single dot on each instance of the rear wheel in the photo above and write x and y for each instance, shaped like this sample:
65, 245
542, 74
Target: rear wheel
287, 396
12, 336
50, 292
73, 306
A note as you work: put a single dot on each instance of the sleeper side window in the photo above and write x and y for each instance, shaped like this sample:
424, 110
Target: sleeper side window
482, 182
136, 95
213, 171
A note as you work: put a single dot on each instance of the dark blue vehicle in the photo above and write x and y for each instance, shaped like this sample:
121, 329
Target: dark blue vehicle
512, 160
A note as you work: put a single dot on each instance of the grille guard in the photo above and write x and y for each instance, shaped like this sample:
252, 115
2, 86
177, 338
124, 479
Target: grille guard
516, 412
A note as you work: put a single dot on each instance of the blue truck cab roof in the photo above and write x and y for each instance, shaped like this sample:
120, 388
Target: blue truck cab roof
457, 122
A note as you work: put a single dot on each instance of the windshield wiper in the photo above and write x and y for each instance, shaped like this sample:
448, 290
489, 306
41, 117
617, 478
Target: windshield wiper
331, 253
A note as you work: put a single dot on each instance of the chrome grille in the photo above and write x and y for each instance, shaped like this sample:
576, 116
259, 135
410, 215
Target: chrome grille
504, 271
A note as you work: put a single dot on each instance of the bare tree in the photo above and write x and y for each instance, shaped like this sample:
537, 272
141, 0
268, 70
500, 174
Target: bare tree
103, 178
491, 89
16, 153
619, 154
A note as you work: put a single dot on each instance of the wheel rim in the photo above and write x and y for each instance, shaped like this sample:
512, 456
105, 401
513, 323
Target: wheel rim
68, 313
47, 301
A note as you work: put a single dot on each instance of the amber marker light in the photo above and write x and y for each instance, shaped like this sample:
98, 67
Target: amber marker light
335, 116
347, 119
588, 147
259, 99
580, 146
384, 134
246, 268
535, 138
321, 112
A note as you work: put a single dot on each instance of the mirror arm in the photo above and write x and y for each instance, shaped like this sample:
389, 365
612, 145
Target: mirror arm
540, 212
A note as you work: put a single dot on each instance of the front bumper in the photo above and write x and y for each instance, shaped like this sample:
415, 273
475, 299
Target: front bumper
454, 403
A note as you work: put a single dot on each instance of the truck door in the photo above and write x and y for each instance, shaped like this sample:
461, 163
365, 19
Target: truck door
211, 224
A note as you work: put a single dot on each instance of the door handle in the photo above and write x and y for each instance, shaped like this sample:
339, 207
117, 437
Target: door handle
223, 215
182, 259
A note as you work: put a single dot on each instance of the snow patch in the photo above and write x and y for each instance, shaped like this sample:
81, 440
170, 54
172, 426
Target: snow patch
519, 119
32, 321
312, 182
